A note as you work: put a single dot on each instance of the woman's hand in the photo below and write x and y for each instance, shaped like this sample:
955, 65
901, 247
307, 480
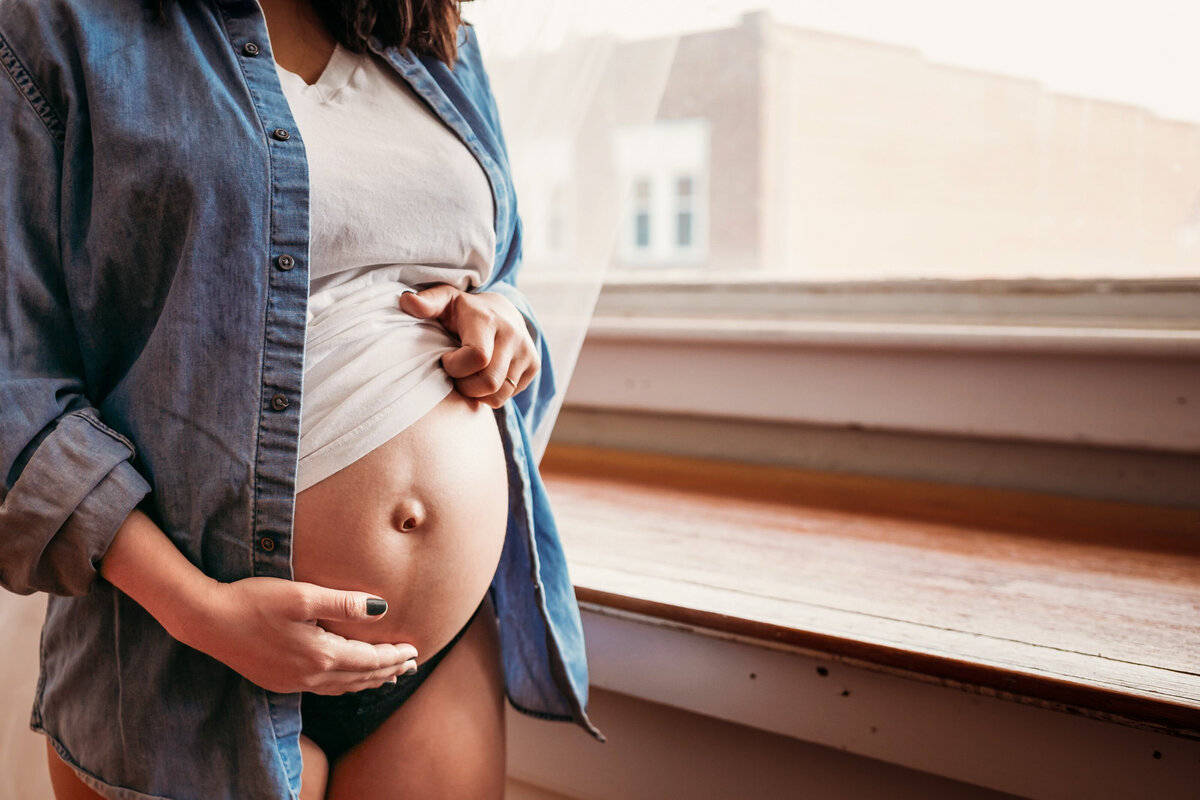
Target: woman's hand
495, 341
267, 630
264, 628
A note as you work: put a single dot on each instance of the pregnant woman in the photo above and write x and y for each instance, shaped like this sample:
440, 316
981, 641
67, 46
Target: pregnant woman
266, 392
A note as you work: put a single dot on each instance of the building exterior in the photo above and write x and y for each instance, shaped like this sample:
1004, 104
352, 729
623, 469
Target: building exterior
778, 152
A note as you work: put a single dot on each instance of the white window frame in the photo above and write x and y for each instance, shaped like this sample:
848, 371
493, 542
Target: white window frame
1108, 365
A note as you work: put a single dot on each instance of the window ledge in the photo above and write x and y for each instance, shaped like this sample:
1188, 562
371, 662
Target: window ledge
1077, 605
969, 337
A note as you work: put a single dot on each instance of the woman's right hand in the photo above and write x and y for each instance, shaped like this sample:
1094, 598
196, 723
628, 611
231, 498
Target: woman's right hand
267, 630
264, 628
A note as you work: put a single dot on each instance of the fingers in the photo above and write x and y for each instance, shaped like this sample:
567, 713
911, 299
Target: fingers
492, 385
487, 377
479, 337
342, 681
345, 677
496, 358
342, 685
339, 665
428, 303
358, 675
351, 655
320, 603
474, 323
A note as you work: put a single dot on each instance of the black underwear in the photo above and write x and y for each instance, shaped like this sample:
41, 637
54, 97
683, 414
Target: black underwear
338, 722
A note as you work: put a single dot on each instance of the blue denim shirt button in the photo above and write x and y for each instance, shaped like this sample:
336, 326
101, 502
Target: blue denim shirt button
285, 261
267, 543
281, 134
279, 402
250, 49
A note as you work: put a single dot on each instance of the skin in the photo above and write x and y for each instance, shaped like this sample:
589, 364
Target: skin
427, 512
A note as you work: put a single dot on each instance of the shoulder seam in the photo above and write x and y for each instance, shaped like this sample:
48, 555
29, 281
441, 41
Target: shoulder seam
23, 80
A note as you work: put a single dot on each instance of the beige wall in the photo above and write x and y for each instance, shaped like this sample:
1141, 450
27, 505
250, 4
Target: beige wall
889, 165
656, 752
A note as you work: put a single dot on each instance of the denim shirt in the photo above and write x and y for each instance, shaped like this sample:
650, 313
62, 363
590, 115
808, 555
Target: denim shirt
152, 336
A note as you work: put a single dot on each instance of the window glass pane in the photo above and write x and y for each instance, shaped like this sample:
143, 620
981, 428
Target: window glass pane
642, 234
683, 229
870, 140
683, 212
641, 213
832, 151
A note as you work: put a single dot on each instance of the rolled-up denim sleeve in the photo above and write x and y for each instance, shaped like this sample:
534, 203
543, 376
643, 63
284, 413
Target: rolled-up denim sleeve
68, 478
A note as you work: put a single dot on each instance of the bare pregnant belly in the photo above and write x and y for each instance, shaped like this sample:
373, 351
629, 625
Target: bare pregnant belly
419, 521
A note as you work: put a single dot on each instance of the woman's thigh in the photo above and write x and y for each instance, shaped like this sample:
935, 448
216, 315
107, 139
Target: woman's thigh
315, 770
447, 740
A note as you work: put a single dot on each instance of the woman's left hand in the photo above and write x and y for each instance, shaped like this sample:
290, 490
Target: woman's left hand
495, 342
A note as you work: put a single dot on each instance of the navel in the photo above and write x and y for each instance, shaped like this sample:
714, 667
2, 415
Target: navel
408, 515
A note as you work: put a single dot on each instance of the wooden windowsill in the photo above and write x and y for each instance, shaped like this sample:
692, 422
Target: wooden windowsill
1086, 606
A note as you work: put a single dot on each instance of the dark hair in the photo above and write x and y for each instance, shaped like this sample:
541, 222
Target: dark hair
429, 27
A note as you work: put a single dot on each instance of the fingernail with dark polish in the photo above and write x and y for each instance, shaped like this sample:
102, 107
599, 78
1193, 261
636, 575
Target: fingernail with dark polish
411, 670
376, 606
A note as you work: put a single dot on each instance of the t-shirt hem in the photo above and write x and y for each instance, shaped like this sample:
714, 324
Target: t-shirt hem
377, 430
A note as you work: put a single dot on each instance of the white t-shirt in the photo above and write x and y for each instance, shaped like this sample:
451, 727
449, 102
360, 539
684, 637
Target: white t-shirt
397, 201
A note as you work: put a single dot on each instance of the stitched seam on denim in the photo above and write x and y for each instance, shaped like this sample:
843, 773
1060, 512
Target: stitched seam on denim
525, 484
595, 732
27, 86
100, 426
93, 781
36, 721
538, 714
558, 667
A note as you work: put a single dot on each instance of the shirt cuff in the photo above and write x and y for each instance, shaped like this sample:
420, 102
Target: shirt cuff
62, 513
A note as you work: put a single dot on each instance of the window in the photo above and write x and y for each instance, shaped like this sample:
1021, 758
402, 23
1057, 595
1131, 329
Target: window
853, 193
663, 163
853, 146
865, 237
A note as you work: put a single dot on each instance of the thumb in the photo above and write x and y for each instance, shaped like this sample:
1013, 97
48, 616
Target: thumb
427, 303
333, 604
